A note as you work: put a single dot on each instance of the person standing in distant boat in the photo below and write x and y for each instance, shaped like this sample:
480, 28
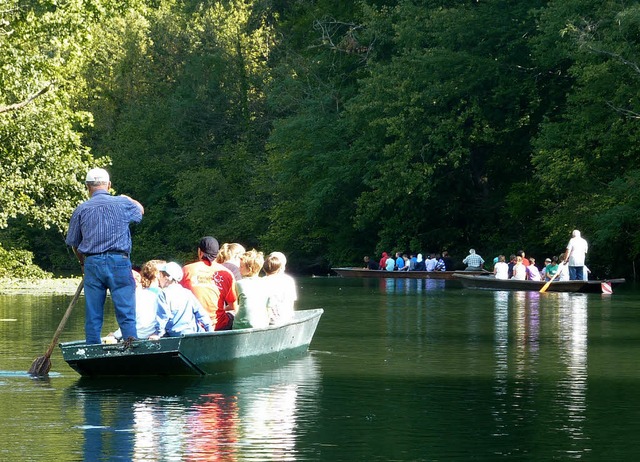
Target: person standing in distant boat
575, 256
473, 261
100, 237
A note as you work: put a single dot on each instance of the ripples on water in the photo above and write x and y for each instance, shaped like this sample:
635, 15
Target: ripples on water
399, 370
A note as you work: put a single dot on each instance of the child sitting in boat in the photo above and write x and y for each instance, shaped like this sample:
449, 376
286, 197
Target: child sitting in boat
252, 294
563, 269
519, 270
147, 291
179, 310
229, 257
533, 273
281, 289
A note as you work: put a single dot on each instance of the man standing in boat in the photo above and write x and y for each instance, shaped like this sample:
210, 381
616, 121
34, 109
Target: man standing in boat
100, 237
575, 255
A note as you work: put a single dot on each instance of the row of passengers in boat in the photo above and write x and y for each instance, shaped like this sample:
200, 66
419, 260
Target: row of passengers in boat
522, 268
205, 296
432, 262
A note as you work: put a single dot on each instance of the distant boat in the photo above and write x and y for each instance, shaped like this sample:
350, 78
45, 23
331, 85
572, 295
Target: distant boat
490, 282
195, 354
383, 274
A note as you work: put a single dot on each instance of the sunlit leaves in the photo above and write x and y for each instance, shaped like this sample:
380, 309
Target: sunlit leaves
40, 144
177, 92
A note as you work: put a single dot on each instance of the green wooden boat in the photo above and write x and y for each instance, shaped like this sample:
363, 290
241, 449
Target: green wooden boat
195, 354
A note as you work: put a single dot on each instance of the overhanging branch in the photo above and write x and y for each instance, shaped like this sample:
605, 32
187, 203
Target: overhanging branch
21, 104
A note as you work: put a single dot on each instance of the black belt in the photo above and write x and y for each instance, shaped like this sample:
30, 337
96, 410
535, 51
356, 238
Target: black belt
110, 252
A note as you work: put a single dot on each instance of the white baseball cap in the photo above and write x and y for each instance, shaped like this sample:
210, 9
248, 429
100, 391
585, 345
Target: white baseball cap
97, 175
173, 270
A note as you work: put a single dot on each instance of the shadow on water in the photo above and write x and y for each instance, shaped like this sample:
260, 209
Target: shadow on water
211, 417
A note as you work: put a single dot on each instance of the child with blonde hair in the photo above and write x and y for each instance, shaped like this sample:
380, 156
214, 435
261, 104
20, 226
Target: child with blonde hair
229, 257
519, 270
281, 289
252, 296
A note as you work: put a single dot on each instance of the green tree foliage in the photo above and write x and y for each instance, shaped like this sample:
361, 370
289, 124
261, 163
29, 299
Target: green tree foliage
312, 180
178, 106
41, 150
444, 120
326, 129
42, 156
586, 156
19, 264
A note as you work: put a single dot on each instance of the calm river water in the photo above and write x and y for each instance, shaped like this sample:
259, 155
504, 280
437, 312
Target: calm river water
398, 370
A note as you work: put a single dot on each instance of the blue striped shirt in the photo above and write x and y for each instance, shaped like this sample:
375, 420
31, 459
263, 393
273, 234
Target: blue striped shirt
101, 224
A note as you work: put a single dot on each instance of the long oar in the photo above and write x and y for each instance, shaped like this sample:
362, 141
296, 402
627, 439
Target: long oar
546, 286
41, 366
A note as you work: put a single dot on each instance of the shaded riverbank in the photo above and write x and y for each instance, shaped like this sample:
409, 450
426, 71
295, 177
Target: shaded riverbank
57, 286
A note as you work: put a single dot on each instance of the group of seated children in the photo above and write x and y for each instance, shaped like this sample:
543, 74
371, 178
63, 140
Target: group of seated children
522, 268
403, 262
205, 296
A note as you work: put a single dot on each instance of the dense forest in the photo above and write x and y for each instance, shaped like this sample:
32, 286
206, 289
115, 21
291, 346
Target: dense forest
323, 128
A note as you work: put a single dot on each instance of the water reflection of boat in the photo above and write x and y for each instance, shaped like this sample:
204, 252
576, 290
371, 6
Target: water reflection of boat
230, 417
196, 354
489, 282
259, 420
382, 274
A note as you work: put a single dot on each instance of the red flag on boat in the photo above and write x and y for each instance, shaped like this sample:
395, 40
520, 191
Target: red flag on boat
606, 288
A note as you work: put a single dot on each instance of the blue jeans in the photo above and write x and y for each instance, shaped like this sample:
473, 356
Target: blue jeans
113, 272
576, 273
